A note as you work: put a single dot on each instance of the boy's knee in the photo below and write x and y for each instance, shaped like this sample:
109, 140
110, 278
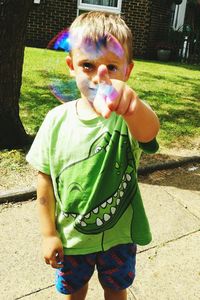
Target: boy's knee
111, 294
79, 295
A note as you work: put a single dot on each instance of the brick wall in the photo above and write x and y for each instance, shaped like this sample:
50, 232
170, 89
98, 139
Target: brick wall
159, 25
137, 16
47, 19
144, 17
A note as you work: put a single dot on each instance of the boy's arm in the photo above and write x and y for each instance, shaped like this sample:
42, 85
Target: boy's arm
115, 95
142, 122
52, 246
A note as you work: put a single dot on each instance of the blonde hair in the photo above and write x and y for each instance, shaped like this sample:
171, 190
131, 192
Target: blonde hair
95, 25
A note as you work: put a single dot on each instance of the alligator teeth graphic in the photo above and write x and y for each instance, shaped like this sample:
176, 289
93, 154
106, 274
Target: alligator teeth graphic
106, 217
104, 204
87, 216
113, 210
96, 210
105, 210
99, 222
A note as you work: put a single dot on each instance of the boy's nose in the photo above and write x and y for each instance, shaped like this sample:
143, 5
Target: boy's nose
95, 78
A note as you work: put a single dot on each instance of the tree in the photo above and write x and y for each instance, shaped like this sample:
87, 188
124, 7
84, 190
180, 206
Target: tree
13, 20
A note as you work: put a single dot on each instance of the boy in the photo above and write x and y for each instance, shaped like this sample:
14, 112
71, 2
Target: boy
87, 151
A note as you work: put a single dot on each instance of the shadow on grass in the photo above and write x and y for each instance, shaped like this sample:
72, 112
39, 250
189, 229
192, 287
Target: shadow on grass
179, 81
186, 176
173, 64
178, 111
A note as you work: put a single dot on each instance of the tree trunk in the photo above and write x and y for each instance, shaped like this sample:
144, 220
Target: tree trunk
13, 20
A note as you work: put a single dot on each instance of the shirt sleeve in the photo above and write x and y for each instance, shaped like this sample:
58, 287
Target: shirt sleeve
38, 155
150, 147
138, 147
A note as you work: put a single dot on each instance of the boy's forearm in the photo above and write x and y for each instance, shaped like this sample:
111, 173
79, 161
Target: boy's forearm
46, 205
143, 123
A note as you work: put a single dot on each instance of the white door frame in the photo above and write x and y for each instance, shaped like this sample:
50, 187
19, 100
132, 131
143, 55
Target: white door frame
179, 15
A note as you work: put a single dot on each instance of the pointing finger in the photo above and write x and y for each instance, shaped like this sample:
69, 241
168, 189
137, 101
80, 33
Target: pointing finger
105, 84
100, 105
103, 75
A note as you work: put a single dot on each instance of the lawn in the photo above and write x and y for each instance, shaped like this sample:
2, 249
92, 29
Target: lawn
172, 89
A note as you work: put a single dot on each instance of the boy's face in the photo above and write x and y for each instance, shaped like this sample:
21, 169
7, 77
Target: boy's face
84, 64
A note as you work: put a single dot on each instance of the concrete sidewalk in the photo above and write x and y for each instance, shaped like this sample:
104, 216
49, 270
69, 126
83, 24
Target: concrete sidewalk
167, 269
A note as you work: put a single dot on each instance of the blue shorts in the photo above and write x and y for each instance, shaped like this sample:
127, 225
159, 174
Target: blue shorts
116, 269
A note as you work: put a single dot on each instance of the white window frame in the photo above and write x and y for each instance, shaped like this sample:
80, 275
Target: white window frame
179, 15
88, 7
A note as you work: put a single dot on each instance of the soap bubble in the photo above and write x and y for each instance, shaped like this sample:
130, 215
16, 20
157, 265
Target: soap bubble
61, 41
62, 86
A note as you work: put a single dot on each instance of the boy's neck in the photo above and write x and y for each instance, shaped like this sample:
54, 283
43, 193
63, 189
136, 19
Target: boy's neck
85, 110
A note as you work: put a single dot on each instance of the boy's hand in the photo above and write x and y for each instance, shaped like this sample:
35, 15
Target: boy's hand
53, 251
113, 95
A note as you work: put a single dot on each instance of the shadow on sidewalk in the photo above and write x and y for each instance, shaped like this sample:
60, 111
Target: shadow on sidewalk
185, 176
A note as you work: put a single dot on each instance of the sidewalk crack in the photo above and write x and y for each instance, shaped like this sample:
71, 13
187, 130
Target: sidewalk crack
34, 292
179, 202
169, 241
133, 296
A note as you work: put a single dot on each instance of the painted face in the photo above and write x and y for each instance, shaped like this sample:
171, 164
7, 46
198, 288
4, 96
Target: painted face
89, 56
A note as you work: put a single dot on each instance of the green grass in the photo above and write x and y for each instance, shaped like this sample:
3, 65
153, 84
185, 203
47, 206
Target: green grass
36, 97
172, 89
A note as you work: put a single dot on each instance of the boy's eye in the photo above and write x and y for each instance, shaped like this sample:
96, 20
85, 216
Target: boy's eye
112, 68
87, 66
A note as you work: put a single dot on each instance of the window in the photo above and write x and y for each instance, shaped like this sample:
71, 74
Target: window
106, 5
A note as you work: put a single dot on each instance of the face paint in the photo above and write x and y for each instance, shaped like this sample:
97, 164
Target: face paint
87, 88
65, 89
97, 48
114, 46
107, 91
92, 94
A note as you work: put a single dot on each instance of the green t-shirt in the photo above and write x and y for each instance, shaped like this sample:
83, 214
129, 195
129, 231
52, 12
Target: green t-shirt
93, 165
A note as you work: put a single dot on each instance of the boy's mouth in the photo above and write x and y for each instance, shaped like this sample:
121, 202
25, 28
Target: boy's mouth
92, 93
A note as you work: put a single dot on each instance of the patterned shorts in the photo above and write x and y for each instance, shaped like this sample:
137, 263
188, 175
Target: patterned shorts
116, 269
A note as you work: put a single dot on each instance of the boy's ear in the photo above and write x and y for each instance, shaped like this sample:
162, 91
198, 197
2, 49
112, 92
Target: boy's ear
70, 65
128, 70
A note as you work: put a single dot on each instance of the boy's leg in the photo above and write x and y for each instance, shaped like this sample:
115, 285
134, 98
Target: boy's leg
79, 295
115, 295
72, 279
116, 270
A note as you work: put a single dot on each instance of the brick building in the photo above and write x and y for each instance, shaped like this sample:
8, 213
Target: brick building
146, 18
